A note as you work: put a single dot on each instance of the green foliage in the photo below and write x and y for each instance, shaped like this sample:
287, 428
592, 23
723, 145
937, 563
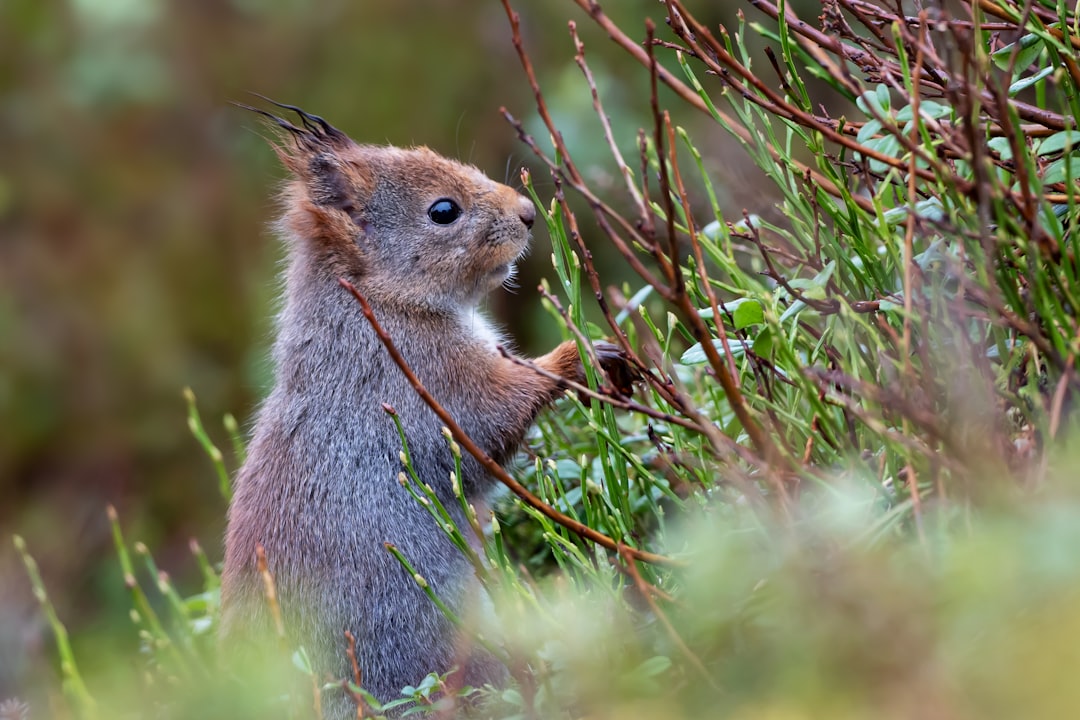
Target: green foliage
71, 679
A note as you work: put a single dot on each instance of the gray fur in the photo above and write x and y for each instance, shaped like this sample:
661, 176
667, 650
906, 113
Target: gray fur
319, 490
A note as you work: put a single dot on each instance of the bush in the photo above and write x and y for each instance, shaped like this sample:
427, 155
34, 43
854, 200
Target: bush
841, 487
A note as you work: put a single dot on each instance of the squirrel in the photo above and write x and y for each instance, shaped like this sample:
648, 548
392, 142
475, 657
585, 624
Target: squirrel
424, 239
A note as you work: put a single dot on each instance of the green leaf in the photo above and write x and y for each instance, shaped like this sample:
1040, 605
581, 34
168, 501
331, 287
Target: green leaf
714, 231
883, 96
747, 314
932, 257
742, 226
1059, 141
868, 131
794, 309
927, 108
763, 343
428, 684
1024, 83
595, 331
929, 209
871, 101
1030, 47
302, 662
887, 145
513, 697
1056, 171
633, 303
815, 286
653, 666
695, 354
1001, 146
731, 306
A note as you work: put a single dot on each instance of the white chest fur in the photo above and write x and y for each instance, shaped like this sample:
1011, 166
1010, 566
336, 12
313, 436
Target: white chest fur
481, 329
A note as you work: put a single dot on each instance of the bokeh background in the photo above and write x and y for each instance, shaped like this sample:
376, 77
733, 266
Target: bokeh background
135, 258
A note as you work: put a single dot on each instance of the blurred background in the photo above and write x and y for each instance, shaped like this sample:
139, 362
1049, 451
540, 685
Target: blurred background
135, 258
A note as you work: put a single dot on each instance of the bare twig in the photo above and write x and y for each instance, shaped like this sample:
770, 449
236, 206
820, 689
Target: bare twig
687, 94
482, 457
269, 590
350, 651
646, 590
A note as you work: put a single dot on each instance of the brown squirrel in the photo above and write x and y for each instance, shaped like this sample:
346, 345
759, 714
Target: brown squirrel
424, 239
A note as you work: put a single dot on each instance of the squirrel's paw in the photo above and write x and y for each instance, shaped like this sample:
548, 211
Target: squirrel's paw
620, 371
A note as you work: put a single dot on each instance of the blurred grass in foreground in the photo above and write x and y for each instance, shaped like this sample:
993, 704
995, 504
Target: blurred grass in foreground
978, 621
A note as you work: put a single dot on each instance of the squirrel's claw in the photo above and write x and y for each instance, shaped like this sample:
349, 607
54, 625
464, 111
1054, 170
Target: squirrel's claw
620, 371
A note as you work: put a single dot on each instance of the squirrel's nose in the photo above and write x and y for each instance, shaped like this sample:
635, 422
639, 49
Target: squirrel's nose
527, 212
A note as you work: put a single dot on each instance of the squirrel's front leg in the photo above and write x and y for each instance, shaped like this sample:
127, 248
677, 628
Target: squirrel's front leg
518, 392
565, 362
515, 393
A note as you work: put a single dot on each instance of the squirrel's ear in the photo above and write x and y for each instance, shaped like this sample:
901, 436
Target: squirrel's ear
334, 183
313, 152
328, 185
328, 198
317, 223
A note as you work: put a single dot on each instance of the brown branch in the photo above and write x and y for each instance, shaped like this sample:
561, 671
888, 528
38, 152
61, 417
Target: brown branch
674, 271
350, 651
696, 420
685, 92
825, 307
645, 590
269, 590
693, 33
762, 442
992, 8
695, 246
609, 135
568, 170
486, 460
598, 293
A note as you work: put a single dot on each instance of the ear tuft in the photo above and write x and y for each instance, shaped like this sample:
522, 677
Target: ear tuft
313, 135
323, 161
299, 145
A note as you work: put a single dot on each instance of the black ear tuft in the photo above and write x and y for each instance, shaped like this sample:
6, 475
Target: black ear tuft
313, 134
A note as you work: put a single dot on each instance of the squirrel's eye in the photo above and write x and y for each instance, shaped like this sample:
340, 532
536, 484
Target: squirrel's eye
444, 212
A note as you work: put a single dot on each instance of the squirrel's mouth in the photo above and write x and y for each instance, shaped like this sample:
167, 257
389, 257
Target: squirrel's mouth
502, 254
509, 253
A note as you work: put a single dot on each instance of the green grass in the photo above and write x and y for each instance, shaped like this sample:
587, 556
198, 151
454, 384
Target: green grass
850, 446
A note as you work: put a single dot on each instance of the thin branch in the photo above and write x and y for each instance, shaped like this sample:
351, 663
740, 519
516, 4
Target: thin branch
687, 94
486, 460
645, 590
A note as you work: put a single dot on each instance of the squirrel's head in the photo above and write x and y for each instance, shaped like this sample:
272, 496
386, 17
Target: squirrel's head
405, 225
